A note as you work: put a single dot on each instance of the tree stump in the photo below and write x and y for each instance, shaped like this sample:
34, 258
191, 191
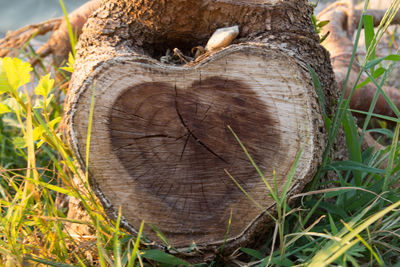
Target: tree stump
160, 138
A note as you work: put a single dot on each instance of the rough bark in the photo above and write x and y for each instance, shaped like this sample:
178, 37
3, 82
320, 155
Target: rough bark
160, 141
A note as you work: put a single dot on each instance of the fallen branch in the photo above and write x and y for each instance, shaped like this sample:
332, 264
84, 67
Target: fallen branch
377, 15
340, 46
15, 40
59, 44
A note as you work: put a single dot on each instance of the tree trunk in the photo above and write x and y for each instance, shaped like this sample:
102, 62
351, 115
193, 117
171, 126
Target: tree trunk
161, 145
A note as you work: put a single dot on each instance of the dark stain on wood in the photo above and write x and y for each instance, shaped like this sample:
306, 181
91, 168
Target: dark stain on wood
175, 143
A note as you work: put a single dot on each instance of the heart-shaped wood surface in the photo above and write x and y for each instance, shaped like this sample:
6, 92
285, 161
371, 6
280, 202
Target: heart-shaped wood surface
162, 149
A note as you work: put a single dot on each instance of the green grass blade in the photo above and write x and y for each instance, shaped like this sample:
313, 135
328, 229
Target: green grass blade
252, 252
311, 212
47, 262
334, 250
318, 88
365, 244
89, 131
248, 195
117, 245
272, 192
353, 143
377, 73
382, 131
290, 176
162, 237
348, 165
384, 94
72, 38
228, 230
162, 257
52, 187
135, 250
392, 154
325, 262
379, 116
369, 33
100, 248
341, 106
334, 229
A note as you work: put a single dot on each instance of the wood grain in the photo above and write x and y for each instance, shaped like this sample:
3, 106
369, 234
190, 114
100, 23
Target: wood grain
161, 132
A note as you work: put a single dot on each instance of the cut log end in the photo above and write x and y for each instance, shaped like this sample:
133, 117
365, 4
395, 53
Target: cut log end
161, 142
175, 144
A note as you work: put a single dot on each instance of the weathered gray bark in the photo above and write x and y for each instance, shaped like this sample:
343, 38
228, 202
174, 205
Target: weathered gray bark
160, 141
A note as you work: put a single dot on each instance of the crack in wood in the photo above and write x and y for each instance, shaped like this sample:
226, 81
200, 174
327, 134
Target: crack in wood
191, 133
184, 146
